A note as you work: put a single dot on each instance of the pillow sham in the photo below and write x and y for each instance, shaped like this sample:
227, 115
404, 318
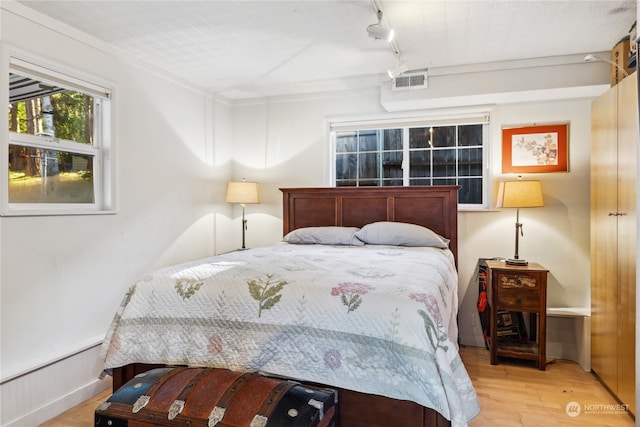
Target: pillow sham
329, 235
400, 234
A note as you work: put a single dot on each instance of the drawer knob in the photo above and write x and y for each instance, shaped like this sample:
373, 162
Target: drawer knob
518, 300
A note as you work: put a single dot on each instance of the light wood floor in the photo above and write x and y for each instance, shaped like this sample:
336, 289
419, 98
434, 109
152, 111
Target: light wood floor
516, 394
512, 394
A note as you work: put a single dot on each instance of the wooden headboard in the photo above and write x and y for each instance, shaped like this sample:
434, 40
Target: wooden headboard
434, 207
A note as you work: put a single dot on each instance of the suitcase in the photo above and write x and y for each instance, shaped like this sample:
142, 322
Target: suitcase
208, 397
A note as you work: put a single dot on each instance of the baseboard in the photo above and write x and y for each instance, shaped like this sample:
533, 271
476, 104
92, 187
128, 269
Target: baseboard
62, 404
471, 340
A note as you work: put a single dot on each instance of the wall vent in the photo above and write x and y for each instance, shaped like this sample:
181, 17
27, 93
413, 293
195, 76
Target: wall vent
410, 80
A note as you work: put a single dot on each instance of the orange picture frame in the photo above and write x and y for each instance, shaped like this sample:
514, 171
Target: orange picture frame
535, 149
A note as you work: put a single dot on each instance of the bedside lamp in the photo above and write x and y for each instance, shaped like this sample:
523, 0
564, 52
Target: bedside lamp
242, 192
519, 194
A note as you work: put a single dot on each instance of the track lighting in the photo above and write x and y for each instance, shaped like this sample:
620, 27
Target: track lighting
592, 58
378, 30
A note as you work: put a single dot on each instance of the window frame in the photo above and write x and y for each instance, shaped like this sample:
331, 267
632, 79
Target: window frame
412, 120
102, 149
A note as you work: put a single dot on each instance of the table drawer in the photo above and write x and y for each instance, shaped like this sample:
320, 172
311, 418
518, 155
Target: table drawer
519, 300
519, 292
518, 281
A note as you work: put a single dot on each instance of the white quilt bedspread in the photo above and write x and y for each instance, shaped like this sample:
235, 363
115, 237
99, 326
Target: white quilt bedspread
374, 319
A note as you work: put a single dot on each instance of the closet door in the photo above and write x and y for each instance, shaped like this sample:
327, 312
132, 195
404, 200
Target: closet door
604, 289
627, 225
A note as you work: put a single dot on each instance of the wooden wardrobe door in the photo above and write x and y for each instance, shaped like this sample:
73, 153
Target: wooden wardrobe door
627, 225
604, 289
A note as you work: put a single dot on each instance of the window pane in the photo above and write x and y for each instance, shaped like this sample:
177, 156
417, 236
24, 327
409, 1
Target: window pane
346, 166
392, 139
346, 142
421, 181
392, 183
444, 181
368, 165
419, 138
470, 191
470, 162
49, 176
392, 164
444, 163
368, 141
444, 136
469, 135
420, 163
41, 109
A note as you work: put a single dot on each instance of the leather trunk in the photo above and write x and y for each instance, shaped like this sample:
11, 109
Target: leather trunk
208, 397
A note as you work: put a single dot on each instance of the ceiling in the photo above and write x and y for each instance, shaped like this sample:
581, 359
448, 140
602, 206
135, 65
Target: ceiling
245, 49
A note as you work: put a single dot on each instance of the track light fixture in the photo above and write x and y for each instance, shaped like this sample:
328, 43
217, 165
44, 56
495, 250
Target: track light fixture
378, 30
592, 58
397, 70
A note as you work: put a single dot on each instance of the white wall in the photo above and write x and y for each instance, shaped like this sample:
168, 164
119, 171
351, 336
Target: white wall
284, 143
62, 277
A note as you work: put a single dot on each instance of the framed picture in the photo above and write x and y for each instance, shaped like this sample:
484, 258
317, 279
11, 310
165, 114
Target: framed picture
534, 149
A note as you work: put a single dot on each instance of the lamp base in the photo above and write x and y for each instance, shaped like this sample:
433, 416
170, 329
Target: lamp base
520, 262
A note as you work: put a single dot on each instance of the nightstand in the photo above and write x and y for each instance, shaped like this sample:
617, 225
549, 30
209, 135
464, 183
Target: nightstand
514, 290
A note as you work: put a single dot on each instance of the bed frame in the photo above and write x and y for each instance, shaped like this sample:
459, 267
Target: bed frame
433, 207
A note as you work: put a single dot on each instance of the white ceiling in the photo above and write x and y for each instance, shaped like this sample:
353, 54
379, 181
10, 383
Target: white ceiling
243, 49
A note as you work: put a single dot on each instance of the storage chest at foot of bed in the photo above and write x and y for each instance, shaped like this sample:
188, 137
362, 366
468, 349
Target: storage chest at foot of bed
208, 397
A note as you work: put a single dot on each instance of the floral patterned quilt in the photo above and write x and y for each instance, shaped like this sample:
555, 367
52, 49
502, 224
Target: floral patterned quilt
374, 319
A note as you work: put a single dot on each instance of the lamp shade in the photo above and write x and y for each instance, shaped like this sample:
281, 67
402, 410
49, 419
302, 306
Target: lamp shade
520, 194
242, 192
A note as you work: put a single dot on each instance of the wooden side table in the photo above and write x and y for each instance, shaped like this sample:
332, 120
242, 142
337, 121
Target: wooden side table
521, 289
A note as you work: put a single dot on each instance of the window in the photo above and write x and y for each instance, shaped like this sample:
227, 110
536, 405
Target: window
414, 153
59, 143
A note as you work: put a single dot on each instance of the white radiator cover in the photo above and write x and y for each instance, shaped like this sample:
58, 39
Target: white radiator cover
37, 396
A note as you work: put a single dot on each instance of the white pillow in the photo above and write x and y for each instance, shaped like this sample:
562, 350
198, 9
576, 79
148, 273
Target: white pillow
329, 235
400, 234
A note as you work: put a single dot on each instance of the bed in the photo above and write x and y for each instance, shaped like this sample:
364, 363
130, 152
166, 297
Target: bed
367, 344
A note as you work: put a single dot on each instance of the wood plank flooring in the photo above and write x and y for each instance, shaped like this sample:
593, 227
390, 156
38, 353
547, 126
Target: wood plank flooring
516, 394
512, 394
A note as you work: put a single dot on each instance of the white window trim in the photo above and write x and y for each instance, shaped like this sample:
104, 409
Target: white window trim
103, 151
481, 114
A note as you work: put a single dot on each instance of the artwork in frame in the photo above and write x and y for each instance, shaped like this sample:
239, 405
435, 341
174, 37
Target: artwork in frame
539, 148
